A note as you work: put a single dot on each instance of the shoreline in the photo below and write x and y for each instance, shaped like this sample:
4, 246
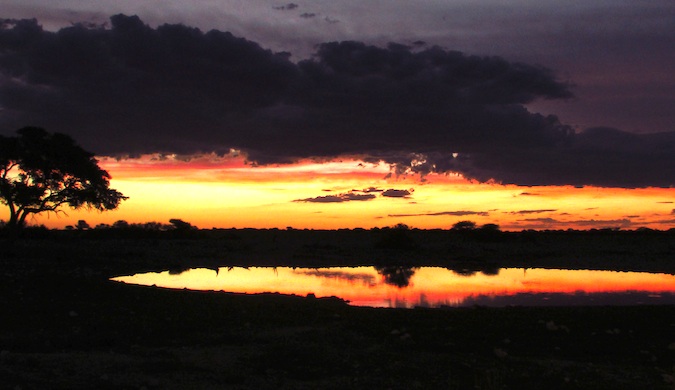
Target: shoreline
69, 327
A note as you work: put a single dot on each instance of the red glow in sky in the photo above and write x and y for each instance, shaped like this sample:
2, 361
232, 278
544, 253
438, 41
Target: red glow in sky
224, 192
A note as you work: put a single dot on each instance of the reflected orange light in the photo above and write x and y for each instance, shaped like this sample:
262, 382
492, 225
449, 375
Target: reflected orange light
432, 286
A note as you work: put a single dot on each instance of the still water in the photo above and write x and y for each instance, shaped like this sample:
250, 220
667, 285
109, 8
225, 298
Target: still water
429, 286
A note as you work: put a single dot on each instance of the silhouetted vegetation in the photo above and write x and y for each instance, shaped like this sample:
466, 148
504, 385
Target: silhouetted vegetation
463, 226
398, 276
69, 326
40, 172
55, 285
397, 238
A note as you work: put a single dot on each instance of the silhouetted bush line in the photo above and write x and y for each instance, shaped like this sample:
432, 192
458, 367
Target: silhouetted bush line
398, 237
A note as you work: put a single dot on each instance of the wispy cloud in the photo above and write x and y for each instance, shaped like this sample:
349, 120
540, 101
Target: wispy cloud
533, 211
346, 197
584, 223
461, 213
357, 195
286, 7
394, 193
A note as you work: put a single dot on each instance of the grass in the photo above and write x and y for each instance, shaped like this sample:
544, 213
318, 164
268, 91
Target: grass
65, 326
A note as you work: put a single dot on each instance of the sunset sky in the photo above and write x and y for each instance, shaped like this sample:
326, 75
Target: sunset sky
343, 114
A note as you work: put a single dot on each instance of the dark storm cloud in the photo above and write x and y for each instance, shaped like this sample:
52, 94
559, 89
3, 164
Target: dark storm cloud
597, 156
132, 89
135, 89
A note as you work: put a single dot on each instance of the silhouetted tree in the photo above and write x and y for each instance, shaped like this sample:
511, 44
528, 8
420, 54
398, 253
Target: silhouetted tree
40, 172
464, 226
82, 225
397, 238
181, 225
490, 227
120, 224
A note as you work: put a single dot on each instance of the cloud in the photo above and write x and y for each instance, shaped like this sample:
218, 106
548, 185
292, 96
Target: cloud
548, 221
352, 196
307, 15
533, 211
586, 223
287, 7
346, 197
461, 213
357, 195
322, 199
393, 193
132, 89
603, 223
598, 156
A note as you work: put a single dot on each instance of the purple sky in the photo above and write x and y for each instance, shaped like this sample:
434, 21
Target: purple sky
604, 68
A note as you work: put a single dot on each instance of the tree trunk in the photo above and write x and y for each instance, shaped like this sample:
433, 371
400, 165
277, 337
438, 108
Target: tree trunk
13, 224
22, 219
13, 219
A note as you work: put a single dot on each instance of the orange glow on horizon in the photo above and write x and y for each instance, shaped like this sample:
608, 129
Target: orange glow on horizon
224, 192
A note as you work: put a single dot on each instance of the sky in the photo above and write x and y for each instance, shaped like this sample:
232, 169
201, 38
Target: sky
328, 114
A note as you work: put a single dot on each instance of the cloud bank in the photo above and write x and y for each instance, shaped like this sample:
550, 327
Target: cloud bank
130, 89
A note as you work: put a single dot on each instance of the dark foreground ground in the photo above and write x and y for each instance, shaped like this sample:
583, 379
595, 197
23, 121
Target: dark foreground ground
63, 325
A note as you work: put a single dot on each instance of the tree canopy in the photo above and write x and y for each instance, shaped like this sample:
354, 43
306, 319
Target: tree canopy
41, 171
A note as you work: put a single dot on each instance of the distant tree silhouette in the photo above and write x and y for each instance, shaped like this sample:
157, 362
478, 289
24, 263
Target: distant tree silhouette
397, 238
464, 226
120, 224
490, 227
41, 172
181, 225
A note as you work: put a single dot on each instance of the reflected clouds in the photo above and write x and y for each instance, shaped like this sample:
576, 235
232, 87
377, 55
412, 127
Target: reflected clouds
400, 286
363, 278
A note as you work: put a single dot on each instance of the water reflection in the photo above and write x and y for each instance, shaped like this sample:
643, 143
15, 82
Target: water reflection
398, 276
430, 286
